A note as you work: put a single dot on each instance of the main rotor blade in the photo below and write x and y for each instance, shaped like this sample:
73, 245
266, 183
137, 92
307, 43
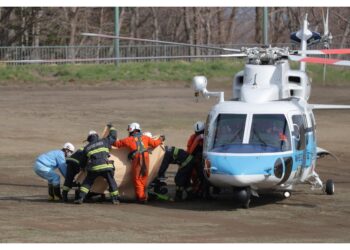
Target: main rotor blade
118, 58
323, 52
328, 106
319, 60
158, 41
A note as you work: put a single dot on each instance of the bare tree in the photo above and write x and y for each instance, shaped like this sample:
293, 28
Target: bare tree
155, 24
258, 25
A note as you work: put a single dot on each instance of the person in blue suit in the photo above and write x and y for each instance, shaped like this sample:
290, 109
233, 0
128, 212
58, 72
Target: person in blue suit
46, 164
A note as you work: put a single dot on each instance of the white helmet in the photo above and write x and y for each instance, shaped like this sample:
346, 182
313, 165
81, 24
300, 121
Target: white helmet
133, 126
69, 146
149, 134
198, 126
92, 132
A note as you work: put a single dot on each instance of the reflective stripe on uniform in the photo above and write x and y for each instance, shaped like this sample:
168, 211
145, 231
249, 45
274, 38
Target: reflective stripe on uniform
102, 166
65, 188
72, 159
176, 151
99, 150
115, 193
188, 159
84, 190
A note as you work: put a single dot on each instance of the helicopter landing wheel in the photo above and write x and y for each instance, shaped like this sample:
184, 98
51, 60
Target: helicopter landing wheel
286, 194
329, 187
243, 196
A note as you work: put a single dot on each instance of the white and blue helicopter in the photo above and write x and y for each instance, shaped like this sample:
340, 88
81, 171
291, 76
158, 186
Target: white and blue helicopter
264, 138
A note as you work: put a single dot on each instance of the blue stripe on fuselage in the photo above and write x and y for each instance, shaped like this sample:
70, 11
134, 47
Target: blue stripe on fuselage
231, 164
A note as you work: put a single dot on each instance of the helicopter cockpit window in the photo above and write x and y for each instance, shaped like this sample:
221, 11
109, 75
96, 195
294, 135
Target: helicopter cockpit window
269, 133
229, 132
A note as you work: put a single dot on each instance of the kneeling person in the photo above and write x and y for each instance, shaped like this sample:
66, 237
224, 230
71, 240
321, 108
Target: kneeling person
174, 155
74, 165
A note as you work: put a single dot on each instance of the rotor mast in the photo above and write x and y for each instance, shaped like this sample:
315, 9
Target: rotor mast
305, 35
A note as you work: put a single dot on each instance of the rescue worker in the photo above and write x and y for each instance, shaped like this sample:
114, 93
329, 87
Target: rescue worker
195, 148
139, 146
46, 164
95, 158
174, 155
74, 165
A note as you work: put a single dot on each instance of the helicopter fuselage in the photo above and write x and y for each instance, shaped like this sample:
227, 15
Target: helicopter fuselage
269, 145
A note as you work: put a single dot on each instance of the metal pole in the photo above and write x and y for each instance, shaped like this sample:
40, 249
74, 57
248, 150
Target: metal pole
266, 26
116, 31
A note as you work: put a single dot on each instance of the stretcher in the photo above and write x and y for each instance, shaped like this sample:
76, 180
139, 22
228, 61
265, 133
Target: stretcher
123, 170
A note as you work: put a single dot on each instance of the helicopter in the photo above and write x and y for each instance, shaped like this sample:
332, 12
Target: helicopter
264, 137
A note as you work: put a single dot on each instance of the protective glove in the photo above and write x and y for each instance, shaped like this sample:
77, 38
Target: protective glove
162, 137
109, 125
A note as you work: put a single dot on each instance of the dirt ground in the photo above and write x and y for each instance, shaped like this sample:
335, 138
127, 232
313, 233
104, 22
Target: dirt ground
37, 119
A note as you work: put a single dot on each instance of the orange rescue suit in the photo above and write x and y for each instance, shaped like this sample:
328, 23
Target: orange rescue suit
195, 147
139, 178
193, 142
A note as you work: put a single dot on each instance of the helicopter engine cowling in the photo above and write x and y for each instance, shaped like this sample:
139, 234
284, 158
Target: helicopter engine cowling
261, 83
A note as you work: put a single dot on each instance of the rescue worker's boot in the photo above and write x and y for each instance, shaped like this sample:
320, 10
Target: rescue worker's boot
83, 191
189, 194
65, 191
65, 195
57, 193
76, 194
80, 199
160, 186
115, 200
51, 194
179, 194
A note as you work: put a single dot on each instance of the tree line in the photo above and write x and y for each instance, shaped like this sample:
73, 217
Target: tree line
50, 26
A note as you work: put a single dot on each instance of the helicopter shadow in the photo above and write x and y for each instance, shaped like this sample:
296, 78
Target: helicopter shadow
225, 202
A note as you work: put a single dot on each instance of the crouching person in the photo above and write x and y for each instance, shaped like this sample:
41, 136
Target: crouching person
46, 164
74, 165
95, 158
174, 155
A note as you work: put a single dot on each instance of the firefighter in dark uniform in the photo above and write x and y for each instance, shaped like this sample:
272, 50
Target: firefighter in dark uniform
96, 160
174, 155
74, 165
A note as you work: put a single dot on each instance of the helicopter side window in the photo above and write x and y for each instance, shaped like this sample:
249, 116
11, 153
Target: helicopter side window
270, 133
299, 131
229, 130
